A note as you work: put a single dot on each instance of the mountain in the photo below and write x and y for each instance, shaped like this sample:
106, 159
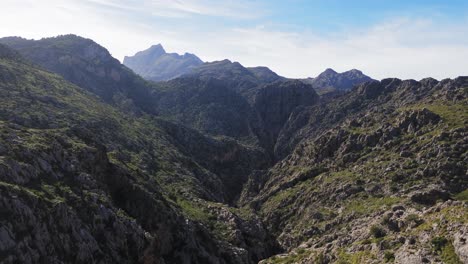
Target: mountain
225, 164
88, 65
92, 182
156, 65
215, 98
330, 80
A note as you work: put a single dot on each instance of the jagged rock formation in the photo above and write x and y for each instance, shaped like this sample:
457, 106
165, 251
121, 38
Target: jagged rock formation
156, 65
226, 164
367, 163
329, 80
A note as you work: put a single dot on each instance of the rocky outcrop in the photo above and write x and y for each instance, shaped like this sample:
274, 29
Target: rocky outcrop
275, 102
460, 244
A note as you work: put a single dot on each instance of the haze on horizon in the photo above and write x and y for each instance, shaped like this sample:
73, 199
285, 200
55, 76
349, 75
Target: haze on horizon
296, 38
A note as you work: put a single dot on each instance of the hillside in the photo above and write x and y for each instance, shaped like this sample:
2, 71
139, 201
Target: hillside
379, 177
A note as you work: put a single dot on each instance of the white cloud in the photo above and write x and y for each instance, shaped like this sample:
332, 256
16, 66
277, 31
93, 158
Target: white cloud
239, 9
400, 47
403, 48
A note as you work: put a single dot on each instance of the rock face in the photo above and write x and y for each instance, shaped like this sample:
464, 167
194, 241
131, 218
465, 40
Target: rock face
330, 80
275, 102
156, 65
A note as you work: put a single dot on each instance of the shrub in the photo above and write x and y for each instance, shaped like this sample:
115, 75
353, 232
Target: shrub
414, 218
389, 256
439, 243
377, 231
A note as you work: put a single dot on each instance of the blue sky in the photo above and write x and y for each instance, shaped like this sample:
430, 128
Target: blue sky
295, 38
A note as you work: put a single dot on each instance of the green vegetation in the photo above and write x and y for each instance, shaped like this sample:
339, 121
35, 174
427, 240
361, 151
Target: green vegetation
462, 196
344, 175
449, 256
354, 258
362, 130
194, 211
439, 243
377, 231
94, 155
370, 204
389, 256
445, 249
454, 115
415, 219
294, 257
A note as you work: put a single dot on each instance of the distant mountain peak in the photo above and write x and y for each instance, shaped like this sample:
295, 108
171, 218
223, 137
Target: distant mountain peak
156, 64
330, 80
157, 48
329, 71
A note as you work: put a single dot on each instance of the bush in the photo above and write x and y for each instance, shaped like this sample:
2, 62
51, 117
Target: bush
377, 231
389, 256
439, 243
414, 218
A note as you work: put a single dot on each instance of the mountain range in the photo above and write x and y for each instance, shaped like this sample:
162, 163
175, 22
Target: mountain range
155, 64
220, 163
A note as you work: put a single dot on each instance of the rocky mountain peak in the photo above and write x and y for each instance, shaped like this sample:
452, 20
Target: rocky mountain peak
329, 71
155, 51
330, 80
157, 47
156, 64
353, 71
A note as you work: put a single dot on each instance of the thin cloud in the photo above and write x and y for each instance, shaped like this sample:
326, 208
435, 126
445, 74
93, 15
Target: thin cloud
240, 9
404, 47
401, 47
230, 9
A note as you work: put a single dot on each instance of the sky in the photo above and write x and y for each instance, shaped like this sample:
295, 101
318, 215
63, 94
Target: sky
410, 39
